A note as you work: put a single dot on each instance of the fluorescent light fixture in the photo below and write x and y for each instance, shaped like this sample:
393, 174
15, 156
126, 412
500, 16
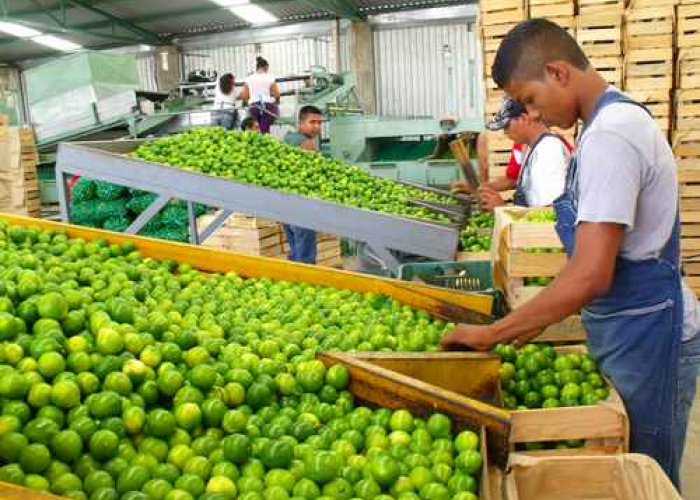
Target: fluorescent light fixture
18, 30
57, 43
231, 3
253, 14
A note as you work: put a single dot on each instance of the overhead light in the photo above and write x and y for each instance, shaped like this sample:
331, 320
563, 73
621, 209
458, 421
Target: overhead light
231, 3
57, 43
253, 14
18, 30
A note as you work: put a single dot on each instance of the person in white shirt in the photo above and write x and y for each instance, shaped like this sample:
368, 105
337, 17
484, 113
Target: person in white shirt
226, 114
543, 174
262, 92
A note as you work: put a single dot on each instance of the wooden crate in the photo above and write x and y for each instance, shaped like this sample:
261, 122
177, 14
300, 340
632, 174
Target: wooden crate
688, 69
600, 33
604, 427
687, 110
610, 68
649, 27
492, 35
245, 221
501, 12
425, 383
515, 241
688, 29
649, 69
624, 477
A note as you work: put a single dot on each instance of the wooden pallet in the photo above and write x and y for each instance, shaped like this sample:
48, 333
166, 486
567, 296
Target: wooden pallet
501, 12
600, 33
687, 111
688, 69
649, 69
649, 28
688, 29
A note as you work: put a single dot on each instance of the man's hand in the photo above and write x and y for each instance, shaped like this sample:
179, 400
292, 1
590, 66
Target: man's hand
477, 337
462, 186
489, 198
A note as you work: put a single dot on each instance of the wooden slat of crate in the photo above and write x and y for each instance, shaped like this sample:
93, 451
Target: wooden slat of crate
496, 171
686, 147
610, 68
500, 5
690, 204
503, 17
688, 69
690, 231
601, 6
692, 268
636, 4
649, 69
688, 27
598, 41
550, 10
522, 264
241, 220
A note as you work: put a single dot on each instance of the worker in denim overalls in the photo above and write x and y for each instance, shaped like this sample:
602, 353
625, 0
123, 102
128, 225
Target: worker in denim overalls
633, 309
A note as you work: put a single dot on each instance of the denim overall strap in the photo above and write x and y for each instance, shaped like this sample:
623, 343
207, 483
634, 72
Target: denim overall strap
520, 195
634, 330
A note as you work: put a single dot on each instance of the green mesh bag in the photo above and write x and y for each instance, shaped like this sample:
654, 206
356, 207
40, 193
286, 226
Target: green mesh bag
117, 224
109, 192
82, 190
110, 209
140, 202
84, 212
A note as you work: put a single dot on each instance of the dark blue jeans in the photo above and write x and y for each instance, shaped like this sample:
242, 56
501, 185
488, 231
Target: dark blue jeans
302, 244
688, 372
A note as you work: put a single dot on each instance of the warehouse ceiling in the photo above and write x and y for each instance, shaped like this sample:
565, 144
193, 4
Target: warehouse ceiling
94, 24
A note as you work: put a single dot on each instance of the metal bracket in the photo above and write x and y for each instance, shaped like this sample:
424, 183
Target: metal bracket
147, 214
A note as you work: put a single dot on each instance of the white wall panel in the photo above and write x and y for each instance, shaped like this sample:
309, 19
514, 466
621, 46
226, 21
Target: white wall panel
412, 74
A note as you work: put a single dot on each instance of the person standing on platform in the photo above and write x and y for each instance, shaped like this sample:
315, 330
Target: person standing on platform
302, 241
262, 92
226, 114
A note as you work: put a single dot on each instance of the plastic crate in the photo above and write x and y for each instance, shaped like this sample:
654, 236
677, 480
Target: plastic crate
472, 276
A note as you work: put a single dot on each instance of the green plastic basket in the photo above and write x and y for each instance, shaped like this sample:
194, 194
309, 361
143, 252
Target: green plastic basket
473, 276
470, 276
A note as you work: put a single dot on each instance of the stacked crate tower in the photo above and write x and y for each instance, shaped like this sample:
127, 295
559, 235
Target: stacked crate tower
497, 18
686, 134
649, 68
599, 32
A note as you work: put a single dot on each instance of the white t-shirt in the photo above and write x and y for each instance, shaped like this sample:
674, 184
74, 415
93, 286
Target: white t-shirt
224, 101
627, 175
547, 166
259, 86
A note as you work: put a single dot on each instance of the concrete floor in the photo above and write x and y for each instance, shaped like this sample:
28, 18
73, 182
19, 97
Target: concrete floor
691, 461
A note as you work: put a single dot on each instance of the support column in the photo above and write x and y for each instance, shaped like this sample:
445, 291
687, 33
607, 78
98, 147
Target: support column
167, 68
362, 64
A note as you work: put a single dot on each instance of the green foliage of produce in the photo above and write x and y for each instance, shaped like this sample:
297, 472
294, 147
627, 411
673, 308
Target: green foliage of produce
122, 377
261, 160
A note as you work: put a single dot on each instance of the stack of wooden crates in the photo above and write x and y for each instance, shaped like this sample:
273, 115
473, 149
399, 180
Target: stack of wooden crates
599, 32
250, 235
649, 52
686, 133
19, 186
497, 18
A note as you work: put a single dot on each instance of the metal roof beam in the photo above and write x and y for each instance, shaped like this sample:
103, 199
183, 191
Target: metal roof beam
127, 25
60, 30
344, 9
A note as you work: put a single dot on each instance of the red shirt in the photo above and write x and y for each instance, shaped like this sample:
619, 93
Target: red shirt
517, 155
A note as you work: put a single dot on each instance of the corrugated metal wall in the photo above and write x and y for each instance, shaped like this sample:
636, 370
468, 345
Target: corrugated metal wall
286, 57
412, 77
146, 68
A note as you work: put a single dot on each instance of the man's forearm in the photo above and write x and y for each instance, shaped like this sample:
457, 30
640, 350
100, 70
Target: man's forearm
502, 184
